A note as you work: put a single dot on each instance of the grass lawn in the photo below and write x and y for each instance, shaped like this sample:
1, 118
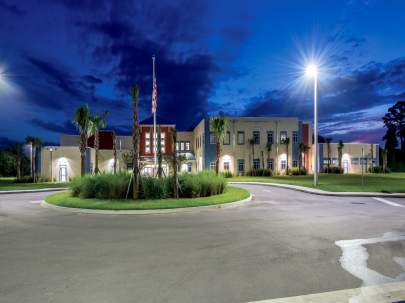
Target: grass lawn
393, 182
8, 184
65, 199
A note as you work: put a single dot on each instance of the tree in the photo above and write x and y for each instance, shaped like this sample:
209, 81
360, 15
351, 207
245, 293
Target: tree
269, 147
175, 177
302, 148
287, 144
16, 150
391, 142
384, 153
34, 142
115, 152
135, 142
97, 122
395, 118
82, 121
252, 145
328, 141
218, 126
340, 152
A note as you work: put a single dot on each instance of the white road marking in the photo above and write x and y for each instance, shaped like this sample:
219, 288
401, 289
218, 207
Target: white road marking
36, 202
388, 202
354, 259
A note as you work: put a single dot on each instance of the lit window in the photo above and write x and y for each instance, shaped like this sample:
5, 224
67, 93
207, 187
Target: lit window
283, 136
227, 139
241, 165
256, 137
181, 145
147, 142
212, 138
270, 137
162, 142
189, 167
226, 165
177, 145
270, 164
295, 163
188, 145
283, 164
256, 163
241, 137
295, 137
212, 165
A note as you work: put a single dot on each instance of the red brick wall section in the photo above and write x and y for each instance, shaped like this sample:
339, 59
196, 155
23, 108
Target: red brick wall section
168, 137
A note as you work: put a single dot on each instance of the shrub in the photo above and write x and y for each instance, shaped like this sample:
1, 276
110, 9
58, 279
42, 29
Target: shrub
109, 186
378, 170
296, 171
332, 170
266, 172
26, 179
227, 174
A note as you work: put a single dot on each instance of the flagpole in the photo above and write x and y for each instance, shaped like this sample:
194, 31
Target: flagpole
154, 121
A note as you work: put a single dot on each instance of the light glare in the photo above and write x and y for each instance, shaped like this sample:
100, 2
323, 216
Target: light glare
311, 70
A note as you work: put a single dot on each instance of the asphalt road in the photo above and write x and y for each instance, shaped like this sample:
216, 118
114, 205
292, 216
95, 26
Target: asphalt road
282, 244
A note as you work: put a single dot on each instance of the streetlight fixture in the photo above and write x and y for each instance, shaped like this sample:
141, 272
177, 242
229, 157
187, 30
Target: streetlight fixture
312, 72
51, 149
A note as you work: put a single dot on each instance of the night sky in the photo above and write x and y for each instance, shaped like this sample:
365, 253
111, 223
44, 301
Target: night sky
236, 57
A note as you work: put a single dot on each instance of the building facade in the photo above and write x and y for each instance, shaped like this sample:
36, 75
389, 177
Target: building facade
250, 143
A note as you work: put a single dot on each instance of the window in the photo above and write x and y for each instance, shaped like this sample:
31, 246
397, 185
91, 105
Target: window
355, 161
226, 165
283, 136
189, 167
212, 138
212, 165
241, 165
181, 145
177, 145
147, 142
227, 139
295, 163
270, 164
283, 164
256, 163
241, 137
187, 145
295, 137
270, 137
256, 136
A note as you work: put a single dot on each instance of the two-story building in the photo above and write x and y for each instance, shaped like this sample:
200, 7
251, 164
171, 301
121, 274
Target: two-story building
249, 143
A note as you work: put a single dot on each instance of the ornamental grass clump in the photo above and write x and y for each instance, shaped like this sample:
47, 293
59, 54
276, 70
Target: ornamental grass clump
154, 188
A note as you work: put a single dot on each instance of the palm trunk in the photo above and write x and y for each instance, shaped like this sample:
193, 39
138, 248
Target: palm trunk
18, 166
135, 142
287, 160
218, 154
115, 152
34, 158
32, 161
82, 149
160, 169
96, 147
175, 181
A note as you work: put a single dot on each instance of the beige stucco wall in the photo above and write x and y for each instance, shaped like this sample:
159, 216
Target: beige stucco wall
62, 155
198, 135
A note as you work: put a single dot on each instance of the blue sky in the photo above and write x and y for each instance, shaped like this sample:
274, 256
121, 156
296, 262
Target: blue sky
236, 57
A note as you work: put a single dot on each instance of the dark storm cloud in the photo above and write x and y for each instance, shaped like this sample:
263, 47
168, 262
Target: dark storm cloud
92, 80
12, 8
66, 128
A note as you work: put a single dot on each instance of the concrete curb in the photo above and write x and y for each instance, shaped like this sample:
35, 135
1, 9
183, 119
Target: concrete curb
325, 193
22, 191
147, 211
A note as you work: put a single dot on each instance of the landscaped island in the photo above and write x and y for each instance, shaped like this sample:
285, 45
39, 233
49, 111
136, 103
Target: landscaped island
110, 192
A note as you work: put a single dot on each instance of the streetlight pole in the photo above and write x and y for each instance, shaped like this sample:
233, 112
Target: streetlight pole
316, 168
312, 71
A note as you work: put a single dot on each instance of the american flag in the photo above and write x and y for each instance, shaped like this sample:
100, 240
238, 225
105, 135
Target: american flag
154, 96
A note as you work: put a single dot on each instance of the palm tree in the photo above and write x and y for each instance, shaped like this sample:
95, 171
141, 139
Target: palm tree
135, 141
16, 150
218, 125
97, 122
82, 122
252, 145
302, 149
287, 144
175, 179
269, 146
328, 141
34, 142
159, 146
340, 152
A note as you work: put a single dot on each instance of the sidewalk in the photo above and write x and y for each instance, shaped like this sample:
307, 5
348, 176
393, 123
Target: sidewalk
37, 190
315, 191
